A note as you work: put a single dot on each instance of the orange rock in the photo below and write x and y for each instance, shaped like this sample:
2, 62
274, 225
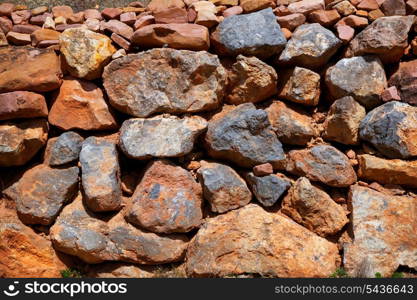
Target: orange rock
18, 39
171, 15
324, 17
17, 105
44, 35
62, 11
353, 21
254, 5
156, 5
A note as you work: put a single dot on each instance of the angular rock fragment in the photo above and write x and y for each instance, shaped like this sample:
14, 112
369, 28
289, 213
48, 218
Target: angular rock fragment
121, 270
167, 200
165, 81
63, 149
120, 28
223, 188
245, 137
100, 174
230, 244
405, 79
17, 105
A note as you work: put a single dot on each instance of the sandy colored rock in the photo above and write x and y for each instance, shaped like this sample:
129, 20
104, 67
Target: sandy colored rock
305, 6
165, 81
85, 52
229, 245
314, 209
254, 5
384, 233
16, 105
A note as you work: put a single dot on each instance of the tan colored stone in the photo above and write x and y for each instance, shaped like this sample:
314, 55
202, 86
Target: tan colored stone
305, 6
44, 35
62, 11
254, 5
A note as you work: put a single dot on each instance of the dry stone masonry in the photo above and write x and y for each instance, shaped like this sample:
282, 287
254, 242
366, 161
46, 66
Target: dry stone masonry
219, 138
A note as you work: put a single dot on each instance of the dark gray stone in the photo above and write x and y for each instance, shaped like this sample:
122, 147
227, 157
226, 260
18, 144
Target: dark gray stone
255, 34
65, 149
268, 189
245, 137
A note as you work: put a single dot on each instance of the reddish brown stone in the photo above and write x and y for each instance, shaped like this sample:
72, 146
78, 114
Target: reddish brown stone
77, 18
291, 21
324, 17
231, 11
345, 33
368, 5
144, 21
92, 14
405, 80
353, 21
390, 94
6, 9
5, 25
44, 35
62, 11
128, 18
156, 5
171, 15
393, 7
118, 27
120, 41
16, 105
26, 28
18, 39
111, 13
21, 17
263, 170
40, 19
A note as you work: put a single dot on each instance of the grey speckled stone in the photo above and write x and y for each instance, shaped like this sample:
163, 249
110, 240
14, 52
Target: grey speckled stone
310, 46
392, 129
245, 137
100, 174
255, 34
64, 149
161, 136
268, 189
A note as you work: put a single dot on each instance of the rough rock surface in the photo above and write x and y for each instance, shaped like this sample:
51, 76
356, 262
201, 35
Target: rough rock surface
245, 137
16, 105
230, 244
255, 34
223, 188
121, 270
165, 81
313, 208
310, 46
63, 149
100, 174
19, 142
167, 200
79, 232
29, 69
160, 136
322, 163
85, 52
384, 233
392, 129
405, 79
80, 104
350, 77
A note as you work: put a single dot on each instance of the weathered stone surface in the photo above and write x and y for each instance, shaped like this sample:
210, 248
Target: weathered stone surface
393, 7
165, 81
305, 6
18, 39
178, 36
85, 52
245, 137
120, 28
100, 174
387, 171
384, 233
392, 129
80, 104
350, 77
387, 38
19, 142
30, 69
292, 125
310, 46
160, 136
120, 270
223, 188
322, 163
314, 209
156, 5
24, 253
291, 21
250, 80
405, 79
16, 105
301, 86
63, 149
229, 245
268, 189
79, 232
171, 15
5, 25
167, 200
254, 5
41, 35
3, 39
41, 193
255, 34
343, 121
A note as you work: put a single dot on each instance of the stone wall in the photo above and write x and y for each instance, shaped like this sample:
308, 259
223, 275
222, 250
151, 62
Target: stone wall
208, 138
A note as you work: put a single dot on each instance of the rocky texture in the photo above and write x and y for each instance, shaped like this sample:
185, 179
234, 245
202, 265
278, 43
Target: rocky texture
16, 105
160, 136
121, 270
343, 121
392, 129
63, 149
322, 163
244, 136
314, 209
85, 52
81, 233
223, 188
310, 46
29, 69
229, 245
19, 142
167, 200
41, 193
100, 174
254, 34
405, 80
350, 77
386, 37
250, 80
384, 233
268, 189
165, 81
80, 104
